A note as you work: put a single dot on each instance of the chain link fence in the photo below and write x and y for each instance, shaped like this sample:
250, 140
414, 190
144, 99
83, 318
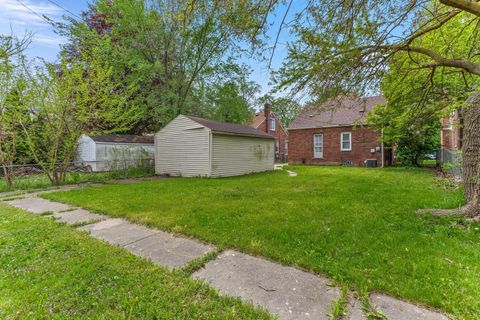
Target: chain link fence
451, 161
31, 176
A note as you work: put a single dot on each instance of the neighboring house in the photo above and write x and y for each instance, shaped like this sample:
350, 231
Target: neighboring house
451, 136
195, 147
268, 121
336, 133
114, 151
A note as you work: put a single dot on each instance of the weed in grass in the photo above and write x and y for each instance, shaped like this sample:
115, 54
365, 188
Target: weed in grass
339, 307
35, 182
12, 198
84, 223
370, 311
199, 263
47, 213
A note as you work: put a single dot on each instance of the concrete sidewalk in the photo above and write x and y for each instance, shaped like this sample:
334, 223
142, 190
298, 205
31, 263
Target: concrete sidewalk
287, 292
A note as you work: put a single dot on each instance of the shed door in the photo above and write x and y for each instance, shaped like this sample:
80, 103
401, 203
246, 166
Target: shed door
318, 146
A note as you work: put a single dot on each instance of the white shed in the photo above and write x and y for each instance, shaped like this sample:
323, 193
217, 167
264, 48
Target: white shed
195, 147
114, 151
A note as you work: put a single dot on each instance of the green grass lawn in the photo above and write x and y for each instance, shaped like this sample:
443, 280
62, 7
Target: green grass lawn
356, 225
50, 271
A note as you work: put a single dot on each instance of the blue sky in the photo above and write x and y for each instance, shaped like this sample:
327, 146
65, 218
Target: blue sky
20, 16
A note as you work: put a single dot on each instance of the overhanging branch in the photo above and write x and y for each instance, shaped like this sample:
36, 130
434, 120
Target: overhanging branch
466, 65
471, 6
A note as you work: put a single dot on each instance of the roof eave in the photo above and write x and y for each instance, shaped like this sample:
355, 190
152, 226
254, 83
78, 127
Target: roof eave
242, 134
332, 126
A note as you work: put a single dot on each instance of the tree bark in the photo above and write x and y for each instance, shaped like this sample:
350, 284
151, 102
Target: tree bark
8, 176
471, 155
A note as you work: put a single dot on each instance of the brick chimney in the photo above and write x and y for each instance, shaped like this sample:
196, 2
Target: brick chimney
266, 112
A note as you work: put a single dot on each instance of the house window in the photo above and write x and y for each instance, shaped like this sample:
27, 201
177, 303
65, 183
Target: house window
346, 141
318, 146
271, 124
286, 147
277, 146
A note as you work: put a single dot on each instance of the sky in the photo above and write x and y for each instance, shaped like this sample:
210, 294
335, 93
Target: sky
21, 16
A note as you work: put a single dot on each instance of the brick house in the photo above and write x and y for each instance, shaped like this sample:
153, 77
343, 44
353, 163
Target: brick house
336, 133
267, 121
451, 134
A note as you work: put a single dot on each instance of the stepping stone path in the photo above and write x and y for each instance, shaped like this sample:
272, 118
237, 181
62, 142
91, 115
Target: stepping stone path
118, 231
291, 173
38, 205
77, 216
168, 250
395, 309
287, 292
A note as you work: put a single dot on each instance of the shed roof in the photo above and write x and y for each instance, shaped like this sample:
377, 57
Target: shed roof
124, 138
230, 128
342, 111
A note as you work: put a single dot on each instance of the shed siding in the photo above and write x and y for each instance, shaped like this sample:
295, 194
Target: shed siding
236, 155
86, 151
117, 156
182, 148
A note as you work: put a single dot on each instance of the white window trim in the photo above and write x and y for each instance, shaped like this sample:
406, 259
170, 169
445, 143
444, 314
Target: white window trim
274, 124
341, 141
317, 134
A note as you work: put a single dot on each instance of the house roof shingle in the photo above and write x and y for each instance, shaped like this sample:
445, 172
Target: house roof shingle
231, 128
258, 118
342, 111
123, 138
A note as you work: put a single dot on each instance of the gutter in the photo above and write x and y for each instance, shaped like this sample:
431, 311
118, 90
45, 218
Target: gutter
243, 135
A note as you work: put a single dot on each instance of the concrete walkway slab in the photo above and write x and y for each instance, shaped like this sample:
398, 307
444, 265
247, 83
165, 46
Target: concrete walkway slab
38, 205
77, 216
168, 250
395, 309
285, 291
354, 311
118, 231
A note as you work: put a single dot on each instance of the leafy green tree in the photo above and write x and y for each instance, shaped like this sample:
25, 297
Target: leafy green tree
412, 135
286, 108
165, 49
12, 89
226, 103
229, 95
418, 98
65, 101
348, 46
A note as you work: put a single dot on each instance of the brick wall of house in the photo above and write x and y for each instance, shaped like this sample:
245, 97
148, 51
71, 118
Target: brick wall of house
280, 136
363, 140
446, 141
451, 135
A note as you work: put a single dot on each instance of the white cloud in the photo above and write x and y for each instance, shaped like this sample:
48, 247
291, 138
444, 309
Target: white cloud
48, 40
18, 19
13, 12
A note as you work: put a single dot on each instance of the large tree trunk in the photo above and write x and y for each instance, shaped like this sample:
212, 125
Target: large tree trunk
471, 155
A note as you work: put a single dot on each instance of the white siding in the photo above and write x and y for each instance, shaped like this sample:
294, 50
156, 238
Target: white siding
86, 151
235, 155
116, 156
182, 148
